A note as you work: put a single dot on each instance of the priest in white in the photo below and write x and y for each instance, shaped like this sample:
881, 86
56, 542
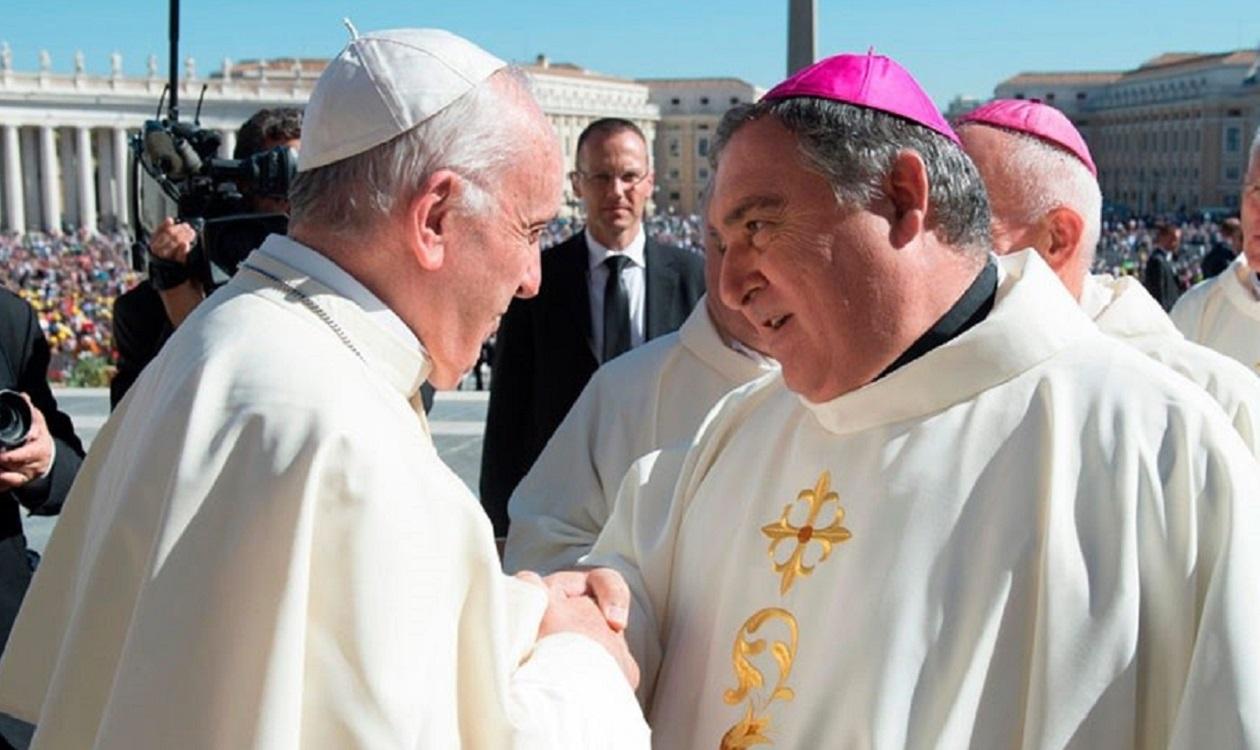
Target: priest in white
263, 549
1043, 193
648, 398
962, 517
1224, 312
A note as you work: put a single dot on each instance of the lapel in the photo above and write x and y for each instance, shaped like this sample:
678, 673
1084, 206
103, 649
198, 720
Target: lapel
662, 291
571, 296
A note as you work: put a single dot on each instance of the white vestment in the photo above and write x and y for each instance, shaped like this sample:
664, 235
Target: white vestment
1029, 537
1122, 308
264, 550
651, 397
1223, 313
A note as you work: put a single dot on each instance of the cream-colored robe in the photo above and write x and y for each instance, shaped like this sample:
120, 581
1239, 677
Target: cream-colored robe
648, 398
1223, 314
264, 550
1029, 537
1122, 308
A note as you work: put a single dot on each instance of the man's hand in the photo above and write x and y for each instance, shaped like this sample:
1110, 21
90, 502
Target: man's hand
604, 585
32, 459
172, 241
580, 614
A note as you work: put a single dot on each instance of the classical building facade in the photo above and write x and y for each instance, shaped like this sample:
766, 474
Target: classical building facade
64, 136
1170, 135
690, 111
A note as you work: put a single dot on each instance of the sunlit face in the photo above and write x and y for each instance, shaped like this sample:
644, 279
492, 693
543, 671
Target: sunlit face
731, 323
614, 183
815, 280
1251, 215
491, 257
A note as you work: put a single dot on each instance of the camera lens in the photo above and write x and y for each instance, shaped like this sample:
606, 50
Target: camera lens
15, 419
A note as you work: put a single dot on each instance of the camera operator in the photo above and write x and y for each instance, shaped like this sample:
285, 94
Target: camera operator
147, 315
38, 472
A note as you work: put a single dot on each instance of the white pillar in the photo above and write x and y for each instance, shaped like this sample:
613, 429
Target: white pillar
87, 191
104, 175
122, 176
229, 144
50, 191
68, 177
14, 207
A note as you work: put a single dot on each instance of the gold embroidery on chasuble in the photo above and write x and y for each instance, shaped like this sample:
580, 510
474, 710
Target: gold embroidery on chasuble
753, 728
807, 533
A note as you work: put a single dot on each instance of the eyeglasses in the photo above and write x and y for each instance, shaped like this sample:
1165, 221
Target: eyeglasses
602, 180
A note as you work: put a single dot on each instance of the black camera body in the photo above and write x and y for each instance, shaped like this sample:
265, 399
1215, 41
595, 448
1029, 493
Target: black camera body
179, 175
15, 419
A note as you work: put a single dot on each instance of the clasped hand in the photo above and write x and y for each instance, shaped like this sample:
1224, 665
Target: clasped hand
30, 460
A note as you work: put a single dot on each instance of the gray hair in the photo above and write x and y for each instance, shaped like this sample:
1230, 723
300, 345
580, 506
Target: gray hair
476, 136
853, 148
1046, 177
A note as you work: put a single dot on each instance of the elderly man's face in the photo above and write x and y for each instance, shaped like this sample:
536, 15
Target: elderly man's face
811, 277
730, 323
1251, 215
493, 256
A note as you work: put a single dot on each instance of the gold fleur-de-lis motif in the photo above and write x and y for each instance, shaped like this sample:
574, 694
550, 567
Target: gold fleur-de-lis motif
826, 537
752, 728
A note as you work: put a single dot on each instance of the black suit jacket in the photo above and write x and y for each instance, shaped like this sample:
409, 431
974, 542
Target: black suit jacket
24, 367
1217, 260
140, 329
1161, 280
545, 354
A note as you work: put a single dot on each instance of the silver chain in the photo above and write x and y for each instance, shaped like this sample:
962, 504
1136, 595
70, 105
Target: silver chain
309, 304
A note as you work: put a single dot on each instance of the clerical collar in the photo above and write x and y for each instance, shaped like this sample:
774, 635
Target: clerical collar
303, 259
598, 253
972, 307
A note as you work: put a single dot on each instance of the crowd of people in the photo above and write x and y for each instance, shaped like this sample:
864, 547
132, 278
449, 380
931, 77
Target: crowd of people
1124, 247
72, 282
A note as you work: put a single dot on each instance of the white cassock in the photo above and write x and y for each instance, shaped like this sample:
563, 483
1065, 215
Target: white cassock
1223, 313
1029, 537
264, 550
1121, 307
651, 397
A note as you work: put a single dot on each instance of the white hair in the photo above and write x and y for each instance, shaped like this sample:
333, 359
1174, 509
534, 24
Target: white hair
476, 136
1046, 177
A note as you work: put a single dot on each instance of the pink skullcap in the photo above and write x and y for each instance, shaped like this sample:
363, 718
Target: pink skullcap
871, 81
1036, 119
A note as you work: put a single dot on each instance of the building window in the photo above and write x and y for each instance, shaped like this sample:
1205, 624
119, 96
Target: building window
702, 173
1231, 173
1080, 96
734, 100
675, 147
675, 101
1019, 95
704, 101
675, 174
675, 195
702, 147
1233, 140
702, 126
1049, 96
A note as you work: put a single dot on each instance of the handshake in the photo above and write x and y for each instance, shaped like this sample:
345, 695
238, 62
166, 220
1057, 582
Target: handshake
594, 603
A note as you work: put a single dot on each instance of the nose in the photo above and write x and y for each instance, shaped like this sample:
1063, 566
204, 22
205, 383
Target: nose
739, 280
531, 282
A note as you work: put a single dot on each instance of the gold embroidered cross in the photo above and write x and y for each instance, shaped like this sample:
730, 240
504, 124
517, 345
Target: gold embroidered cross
826, 537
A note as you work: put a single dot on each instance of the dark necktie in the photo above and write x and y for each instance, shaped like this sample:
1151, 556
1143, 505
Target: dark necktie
616, 308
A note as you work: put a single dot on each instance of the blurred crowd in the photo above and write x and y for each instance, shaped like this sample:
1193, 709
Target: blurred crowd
72, 281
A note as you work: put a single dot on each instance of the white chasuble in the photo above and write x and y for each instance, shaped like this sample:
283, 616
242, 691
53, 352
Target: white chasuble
1223, 313
1029, 537
653, 396
1122, 308
263, 550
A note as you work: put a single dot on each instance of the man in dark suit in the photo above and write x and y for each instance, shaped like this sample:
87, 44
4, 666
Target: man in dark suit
605, 290
1160, 278
1223, 250
38, 473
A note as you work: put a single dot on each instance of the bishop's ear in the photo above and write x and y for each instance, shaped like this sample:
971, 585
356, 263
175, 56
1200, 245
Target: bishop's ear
907, 188
1066, 227
430, 216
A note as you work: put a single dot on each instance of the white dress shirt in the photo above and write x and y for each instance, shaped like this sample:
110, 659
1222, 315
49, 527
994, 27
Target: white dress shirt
635, 280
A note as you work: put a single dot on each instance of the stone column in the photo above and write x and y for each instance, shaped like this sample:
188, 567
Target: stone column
122, 177
14, 206
229, 143
50, 191
68, 178
87, 191
802, 39
105, 207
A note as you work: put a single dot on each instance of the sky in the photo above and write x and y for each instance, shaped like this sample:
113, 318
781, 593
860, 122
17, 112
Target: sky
951, 48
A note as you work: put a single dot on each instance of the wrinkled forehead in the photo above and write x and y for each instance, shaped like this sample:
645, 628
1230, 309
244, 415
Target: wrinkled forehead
757, 161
